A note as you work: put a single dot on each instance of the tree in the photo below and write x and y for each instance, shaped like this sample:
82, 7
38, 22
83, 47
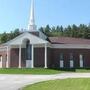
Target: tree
16, 32
61, 30
81, 31
41, 29
8, 36
74, 31
4, 37
68, 31
47, 30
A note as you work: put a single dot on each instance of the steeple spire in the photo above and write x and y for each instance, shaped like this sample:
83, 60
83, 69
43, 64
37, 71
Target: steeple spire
31, 25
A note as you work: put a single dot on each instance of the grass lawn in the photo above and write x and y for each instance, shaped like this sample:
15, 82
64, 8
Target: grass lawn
29, 71
66, 84
41, 71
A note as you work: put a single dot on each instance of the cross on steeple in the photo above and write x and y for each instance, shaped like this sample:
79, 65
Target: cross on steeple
31, 25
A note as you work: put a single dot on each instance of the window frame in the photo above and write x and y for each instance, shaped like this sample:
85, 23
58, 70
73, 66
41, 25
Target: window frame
71, 60
61, 56
81, 60
61, 60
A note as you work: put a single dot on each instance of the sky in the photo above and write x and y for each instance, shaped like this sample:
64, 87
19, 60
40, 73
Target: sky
15, 13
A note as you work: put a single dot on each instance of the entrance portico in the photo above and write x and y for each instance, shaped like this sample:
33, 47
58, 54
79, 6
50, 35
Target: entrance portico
27, 42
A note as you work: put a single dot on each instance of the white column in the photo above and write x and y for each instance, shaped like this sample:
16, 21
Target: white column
32, 56
81, 60
1, 66
8, 57
20, 56
45, 56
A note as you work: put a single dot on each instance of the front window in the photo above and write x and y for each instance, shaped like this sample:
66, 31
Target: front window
71, 60
81, 61
81, 57
61, 60
61, 56
71, 56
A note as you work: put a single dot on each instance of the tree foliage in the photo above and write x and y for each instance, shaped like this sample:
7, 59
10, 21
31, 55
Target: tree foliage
8, 36
81, 31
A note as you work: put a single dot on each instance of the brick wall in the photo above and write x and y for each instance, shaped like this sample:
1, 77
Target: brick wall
76, 52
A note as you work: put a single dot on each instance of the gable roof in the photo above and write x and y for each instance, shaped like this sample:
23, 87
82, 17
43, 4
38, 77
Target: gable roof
19, 39
68, 40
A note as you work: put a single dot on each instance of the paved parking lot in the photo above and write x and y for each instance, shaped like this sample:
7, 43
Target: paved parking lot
14, 82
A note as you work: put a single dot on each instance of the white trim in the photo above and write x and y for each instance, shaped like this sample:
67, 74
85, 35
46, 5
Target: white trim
8, 57
1, 62
42, 35
19, 39
32, 56
45, 56
70, 46
42, 45
3, 48
20, 56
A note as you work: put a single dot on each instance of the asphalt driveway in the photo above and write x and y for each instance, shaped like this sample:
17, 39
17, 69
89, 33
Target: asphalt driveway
14, 82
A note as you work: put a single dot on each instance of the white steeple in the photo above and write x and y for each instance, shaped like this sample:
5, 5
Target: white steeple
31, 25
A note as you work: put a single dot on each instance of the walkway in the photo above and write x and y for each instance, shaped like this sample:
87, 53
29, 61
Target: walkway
14, 82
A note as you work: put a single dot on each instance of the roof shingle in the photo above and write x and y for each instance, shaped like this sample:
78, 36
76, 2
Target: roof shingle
68, 40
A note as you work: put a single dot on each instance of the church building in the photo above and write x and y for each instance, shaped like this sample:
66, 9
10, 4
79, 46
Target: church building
33, 49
